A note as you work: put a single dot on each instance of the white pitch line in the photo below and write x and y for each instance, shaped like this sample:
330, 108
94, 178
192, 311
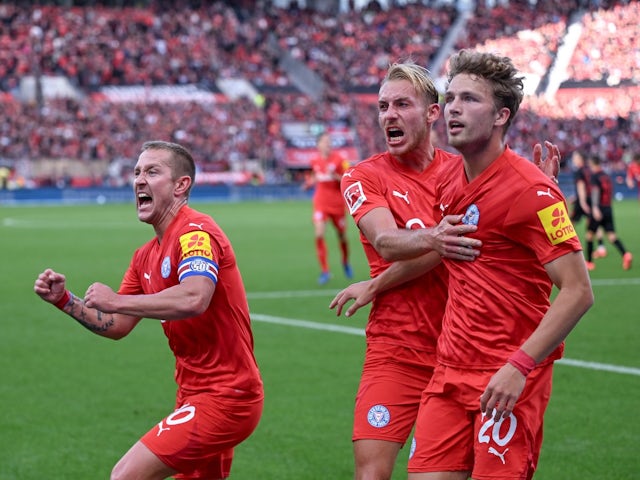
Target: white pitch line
307, 324
291, 294
600, 366
328, 327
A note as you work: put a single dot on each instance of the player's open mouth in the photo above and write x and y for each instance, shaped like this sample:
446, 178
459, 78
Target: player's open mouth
394, 135
455, 127
144, 199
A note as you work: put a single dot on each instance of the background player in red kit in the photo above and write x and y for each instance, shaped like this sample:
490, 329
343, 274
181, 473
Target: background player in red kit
602, 212
633, 173
327, 167
481, 415
186, 277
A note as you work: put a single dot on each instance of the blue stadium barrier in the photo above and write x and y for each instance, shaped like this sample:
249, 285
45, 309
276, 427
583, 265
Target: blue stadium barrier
101, 195
220, 193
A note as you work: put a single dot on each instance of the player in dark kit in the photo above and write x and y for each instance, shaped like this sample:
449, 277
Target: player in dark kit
602, 212
582, 202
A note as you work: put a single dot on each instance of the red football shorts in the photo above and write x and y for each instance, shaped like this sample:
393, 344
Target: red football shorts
452, 435
389, 395
337, 219
197, 439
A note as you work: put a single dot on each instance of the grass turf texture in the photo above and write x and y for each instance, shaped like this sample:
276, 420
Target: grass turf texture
73, 402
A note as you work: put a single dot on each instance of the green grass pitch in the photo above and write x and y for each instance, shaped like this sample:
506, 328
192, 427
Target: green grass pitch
72, 403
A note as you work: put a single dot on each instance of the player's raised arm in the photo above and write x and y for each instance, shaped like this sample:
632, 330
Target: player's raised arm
51, 287
186, 299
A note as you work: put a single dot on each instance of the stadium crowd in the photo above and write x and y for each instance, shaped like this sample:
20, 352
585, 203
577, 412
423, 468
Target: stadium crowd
162, 45
611, 51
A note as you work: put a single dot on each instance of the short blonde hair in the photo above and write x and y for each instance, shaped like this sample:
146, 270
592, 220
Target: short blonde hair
417, 75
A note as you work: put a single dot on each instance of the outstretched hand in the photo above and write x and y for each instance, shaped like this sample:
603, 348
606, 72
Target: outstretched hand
361, 292
550, 165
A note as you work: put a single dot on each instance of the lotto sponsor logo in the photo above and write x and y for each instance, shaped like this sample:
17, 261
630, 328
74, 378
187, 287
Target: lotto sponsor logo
556, 223
196, 243
198, 253
354, 197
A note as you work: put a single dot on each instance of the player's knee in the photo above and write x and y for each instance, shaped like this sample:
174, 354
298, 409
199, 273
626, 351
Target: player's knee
374, 474
116, 474
119, 471
378, 469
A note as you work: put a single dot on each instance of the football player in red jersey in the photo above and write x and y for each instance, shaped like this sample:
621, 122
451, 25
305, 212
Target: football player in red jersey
327, 167
186, 277
500, 333
633, 173
389, 195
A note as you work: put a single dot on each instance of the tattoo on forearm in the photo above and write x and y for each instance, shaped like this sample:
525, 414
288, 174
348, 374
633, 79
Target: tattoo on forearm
79, 312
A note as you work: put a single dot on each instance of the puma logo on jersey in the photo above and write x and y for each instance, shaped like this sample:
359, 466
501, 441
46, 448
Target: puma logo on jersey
543, 193
498, 454
405, 197
199, 225
347, 174
147, 276
160, 429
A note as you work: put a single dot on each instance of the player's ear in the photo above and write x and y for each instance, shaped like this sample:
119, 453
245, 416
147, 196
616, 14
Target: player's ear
433, 113
502, 116
183, 184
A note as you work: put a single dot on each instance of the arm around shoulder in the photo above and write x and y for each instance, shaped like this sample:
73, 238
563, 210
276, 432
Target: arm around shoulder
392, 243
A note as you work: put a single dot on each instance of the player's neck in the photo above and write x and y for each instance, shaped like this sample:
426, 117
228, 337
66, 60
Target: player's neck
168, 218
477, 159
418, 159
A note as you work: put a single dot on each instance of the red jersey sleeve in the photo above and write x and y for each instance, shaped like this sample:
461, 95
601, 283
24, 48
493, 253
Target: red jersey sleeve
363, 189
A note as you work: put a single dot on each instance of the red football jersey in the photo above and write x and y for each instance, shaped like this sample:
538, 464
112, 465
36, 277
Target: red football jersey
409, 315
498, 300
327, 172
214, 351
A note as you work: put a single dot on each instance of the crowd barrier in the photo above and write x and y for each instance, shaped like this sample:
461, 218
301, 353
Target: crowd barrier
208, 193
102, 195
